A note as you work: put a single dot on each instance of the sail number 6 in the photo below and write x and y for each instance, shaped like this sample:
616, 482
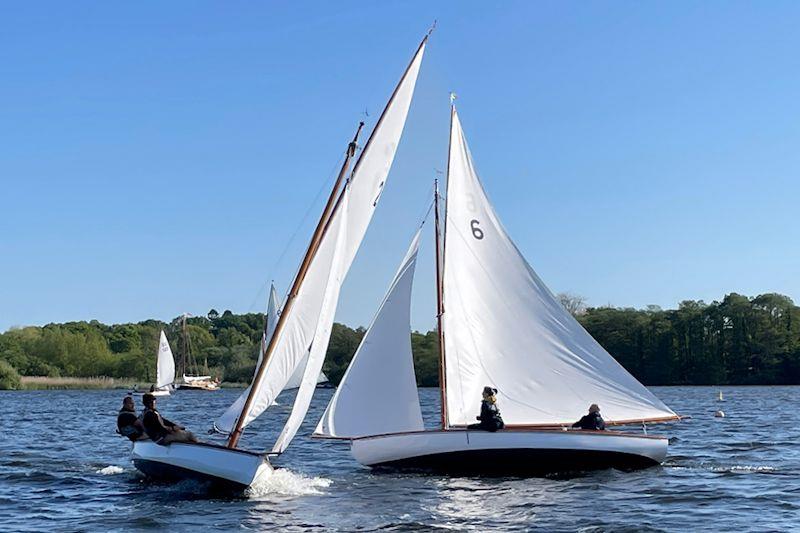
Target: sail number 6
476, 231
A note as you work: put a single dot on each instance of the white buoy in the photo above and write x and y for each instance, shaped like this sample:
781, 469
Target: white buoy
719, 414
719, 397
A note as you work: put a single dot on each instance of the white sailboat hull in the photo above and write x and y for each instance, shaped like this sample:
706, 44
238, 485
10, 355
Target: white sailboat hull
235, 469
510, 451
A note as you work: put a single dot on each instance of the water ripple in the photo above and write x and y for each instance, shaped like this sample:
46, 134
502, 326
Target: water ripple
738, 473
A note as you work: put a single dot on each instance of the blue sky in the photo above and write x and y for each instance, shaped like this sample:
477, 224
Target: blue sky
156, 158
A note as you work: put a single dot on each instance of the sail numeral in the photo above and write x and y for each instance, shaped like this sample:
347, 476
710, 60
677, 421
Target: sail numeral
470, 203
476, 231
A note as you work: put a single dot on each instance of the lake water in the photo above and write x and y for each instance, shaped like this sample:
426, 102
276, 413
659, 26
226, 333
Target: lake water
63, 468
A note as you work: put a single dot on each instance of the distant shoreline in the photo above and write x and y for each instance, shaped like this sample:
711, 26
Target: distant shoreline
40, 383
93, 383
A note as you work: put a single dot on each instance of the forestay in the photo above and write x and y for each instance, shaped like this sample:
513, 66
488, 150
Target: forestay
165, 363
378, 393
504, 328
227, 421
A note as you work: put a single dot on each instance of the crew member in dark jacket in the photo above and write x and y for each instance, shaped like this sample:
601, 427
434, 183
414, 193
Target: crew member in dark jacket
160, 430
128, 423
591, 421
490, 419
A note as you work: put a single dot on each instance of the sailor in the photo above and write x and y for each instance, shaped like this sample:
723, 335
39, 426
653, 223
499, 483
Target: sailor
160, 430
128, 424
591, 421
490, 419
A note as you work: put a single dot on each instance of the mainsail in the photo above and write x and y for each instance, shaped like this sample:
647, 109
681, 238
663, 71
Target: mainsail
504, 328
378, 393
165, 363
311, 312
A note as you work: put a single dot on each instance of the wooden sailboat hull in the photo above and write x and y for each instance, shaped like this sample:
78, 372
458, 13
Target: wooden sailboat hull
224, 467
510, 452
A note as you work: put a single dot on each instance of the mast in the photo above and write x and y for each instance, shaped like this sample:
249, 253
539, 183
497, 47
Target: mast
319, 232
186, 354
440, 307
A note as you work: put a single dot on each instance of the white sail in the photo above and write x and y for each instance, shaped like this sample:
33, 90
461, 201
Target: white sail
504, 328
378, 393
294, 340
363, 190
165, 363
297, 376
227, 421
322, 335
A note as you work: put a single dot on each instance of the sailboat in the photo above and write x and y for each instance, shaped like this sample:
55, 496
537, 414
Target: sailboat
165, 368
303, 327
499, 326
194, 381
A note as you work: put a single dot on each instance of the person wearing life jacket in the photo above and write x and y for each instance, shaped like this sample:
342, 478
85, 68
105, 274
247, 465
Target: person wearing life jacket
490, 419
160, 430
128, 423
591, 421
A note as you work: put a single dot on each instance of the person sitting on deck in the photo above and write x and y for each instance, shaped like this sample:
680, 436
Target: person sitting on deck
490, 419
128, 423
591, 421
160, 430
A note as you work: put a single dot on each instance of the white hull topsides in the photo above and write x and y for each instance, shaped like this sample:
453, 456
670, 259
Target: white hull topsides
233, 468
512, 451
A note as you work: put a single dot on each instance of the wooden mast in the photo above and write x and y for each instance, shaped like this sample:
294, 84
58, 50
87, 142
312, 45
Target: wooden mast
316, 238
440, 307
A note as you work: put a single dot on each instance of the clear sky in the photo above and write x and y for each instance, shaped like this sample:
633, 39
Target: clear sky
157, 157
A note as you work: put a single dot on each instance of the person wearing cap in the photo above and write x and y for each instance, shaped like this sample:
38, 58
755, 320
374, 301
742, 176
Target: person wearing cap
159, 429
128, 423
591, 421
490, 419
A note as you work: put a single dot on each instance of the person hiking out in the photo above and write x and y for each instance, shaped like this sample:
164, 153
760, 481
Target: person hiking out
159, 429
128, 422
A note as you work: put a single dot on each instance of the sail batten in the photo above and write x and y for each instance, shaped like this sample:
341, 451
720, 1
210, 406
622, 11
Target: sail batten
504, 327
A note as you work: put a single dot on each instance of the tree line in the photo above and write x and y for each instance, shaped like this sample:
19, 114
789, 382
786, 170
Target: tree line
738, 340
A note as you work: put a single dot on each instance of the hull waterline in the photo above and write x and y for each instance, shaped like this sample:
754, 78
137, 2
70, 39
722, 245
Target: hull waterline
510, 452
223, 467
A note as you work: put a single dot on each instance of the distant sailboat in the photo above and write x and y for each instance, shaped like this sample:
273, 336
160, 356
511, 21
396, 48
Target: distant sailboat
499, 326
165, 368
194, 381
303, 327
